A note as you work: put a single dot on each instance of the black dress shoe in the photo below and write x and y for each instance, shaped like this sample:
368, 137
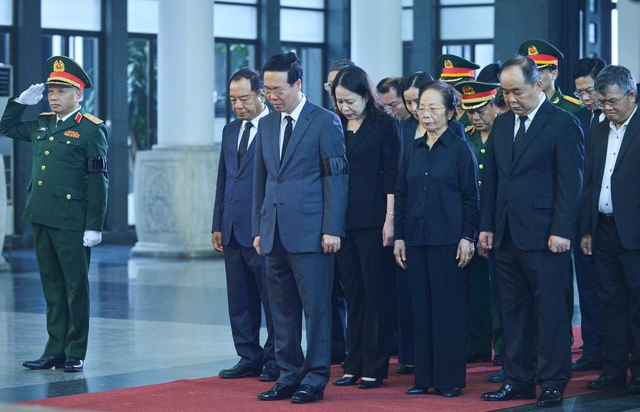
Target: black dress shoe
498, 377
72, 364
509, 392
473, 357
550, 397
307, 394
634, 385
586, 363
346, 381
449, 393
241, 370
369, 384
270, 373
606, 382
414, 390
404, 369
45, 362
498, 359
278, 392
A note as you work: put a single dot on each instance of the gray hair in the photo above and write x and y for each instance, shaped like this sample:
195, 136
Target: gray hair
615, 75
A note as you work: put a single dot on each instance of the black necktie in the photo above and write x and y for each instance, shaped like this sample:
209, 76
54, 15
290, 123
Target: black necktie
244, 142
596, 117
287, 135
519, 135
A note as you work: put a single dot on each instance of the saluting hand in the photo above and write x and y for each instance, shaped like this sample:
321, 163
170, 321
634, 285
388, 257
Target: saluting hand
32, 95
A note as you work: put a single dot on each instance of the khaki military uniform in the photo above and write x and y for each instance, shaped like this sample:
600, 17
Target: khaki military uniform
67, 195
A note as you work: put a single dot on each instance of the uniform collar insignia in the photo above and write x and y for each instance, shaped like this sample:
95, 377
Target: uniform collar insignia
78, 117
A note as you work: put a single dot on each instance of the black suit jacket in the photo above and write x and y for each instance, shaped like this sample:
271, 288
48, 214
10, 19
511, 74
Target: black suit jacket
373, 154
538, 189
625, 183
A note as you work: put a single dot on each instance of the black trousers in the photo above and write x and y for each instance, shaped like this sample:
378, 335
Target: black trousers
246, 295
618, 274
439, 292
533, 289
590, 313
406, 327
368, 275
479, 298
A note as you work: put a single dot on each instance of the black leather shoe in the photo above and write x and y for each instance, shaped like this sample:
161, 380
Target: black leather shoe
72, 364
307, 394
508, 392
550, 397
369, 384
473, 357
586, 363
606, 382
414, 390
498, 377
241, 370
45, 362
404, 369
449, 393
278, 392
270, 373
346, 381
634, 385
498, 359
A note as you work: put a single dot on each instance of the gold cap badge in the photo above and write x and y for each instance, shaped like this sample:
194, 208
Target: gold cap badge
58, 66
448, 64
468, 90
533, 51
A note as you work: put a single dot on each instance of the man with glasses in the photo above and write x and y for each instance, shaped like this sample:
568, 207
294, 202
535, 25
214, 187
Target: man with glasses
610, 225
299, 207
389, 89
333, 72
584, 76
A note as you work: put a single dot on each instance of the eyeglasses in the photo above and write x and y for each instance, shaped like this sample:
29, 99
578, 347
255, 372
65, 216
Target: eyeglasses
431, 110
277, 92
328, 86
601, 104
587, 93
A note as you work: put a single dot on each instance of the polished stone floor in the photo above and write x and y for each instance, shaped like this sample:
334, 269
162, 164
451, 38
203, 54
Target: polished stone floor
152, 321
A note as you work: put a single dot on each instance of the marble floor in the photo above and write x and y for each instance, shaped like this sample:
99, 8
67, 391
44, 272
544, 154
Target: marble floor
152, 321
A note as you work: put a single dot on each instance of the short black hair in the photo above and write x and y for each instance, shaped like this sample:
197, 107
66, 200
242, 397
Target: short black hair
357, 81
287, 63
588, 66
385, 85
529, 68
251, 75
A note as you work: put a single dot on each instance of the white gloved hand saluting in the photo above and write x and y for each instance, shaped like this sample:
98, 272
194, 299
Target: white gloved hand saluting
91, 238
32, 95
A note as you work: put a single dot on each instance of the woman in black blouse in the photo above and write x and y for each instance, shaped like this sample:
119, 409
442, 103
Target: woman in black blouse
436, 218
373, 142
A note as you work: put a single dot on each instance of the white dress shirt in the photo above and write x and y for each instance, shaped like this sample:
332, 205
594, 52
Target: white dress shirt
295, 114
254, 129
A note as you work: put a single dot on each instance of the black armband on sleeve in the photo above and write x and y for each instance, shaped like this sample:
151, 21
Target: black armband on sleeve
97, 164
335, 166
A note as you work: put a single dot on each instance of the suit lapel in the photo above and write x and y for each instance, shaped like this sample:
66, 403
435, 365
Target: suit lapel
599, 141
232, 145
304, 120
354, 139
629, 135
539, 121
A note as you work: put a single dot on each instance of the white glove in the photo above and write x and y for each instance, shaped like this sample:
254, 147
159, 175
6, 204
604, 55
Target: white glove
91, 238
32, 95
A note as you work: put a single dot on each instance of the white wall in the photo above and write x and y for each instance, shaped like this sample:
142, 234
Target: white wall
629, 36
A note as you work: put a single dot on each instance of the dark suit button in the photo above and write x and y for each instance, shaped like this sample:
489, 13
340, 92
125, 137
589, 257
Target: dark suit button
237, 180
279, 181
232, 201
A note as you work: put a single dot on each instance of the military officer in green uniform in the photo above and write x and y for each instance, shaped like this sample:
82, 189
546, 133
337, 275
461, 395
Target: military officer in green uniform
547, 57
478, 99
66, 203
454, 70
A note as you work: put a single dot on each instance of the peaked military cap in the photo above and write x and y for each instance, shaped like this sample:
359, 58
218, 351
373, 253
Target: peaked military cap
541, 52
476, 94
455, 69
66, 71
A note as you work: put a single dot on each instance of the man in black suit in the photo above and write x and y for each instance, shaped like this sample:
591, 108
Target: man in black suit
529, 209
609, 225
231, 232
584, 76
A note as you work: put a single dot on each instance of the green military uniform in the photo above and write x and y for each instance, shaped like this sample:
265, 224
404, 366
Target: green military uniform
568, 103
455, 70
465, 122
66, 196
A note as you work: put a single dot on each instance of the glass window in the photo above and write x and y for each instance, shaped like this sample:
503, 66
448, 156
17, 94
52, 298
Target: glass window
464, 2
461, 50
229, 58
483, 55
5, 48
6, 12
307, 4
301, 26
86, 14
142, 16
141, 95
241, 1
312, 77
235, 22
407, 25
452, 21
407, 3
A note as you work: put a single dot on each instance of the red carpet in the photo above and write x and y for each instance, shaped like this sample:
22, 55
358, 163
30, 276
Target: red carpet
240, 395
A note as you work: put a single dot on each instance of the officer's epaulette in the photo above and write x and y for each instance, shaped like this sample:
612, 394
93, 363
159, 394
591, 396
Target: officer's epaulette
572, 100
466, 129
46, 114
93, 119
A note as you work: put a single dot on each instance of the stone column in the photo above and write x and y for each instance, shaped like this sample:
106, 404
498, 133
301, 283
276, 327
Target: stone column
174, 183
376, 37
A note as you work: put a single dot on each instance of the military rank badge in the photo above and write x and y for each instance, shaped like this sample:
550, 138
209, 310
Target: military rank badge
71, 133
42, 129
